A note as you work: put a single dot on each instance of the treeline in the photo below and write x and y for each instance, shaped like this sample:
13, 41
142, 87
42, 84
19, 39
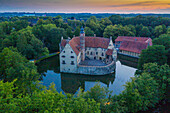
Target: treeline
37, 40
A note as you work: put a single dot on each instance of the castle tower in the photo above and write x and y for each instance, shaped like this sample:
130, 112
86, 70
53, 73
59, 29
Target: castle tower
82, 44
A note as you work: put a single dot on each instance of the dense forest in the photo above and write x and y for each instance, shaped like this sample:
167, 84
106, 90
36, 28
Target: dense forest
22, 39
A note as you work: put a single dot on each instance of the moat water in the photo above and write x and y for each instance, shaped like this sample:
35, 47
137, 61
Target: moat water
71, 83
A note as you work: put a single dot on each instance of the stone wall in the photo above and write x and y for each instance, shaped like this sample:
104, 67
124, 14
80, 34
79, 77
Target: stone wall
96, 70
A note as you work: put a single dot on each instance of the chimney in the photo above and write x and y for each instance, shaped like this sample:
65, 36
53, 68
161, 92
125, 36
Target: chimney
94, 35
61, 38
74, 36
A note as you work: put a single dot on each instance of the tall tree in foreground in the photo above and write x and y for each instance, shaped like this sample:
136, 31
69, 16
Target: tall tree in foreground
14, 66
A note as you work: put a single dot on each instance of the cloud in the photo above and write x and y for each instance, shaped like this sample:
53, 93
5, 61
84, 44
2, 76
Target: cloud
146, 3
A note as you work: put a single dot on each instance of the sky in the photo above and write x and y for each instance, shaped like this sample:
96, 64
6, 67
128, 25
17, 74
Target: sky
86, 6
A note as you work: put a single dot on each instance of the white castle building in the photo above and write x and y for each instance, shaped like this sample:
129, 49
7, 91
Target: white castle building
87, 55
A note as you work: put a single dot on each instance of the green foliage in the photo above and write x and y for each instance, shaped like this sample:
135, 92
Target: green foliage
164, 40
89, 32
44, 101
6, 27
143, 91
50, 35
20, 24
145, 32
155, 53
158, 30
14, 66
77, 31
161, 75
29, 45
117, 30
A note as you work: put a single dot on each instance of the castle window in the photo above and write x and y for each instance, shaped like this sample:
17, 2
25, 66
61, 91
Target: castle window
63, 62
102, 54
96, 53
72, 56
72, 62
63, 56
94, 58
87, 52
71, 51
63, 51
91, 53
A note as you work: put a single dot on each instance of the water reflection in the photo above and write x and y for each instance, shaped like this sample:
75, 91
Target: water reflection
71, 83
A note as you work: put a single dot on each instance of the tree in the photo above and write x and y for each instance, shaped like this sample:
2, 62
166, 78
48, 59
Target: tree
44, 101
6, 27
116, 19
54, 39
155, 53
29, 45
158, 30
14, 66
69, 32
93, 23
58, 22
105, 22
138, 29
20, 24
117, 30
77, 31
164, 40
89, 32
161, 75
145, 32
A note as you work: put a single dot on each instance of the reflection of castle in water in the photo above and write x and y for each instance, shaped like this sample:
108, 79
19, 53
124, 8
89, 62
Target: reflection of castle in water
70, 83
128, 61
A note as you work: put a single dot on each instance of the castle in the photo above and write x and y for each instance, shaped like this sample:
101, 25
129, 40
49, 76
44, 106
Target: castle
87, 55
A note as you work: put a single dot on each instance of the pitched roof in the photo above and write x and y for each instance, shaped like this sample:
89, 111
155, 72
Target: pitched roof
63, 43
94, 42
133, 46
109, 52
141, 39
97, 42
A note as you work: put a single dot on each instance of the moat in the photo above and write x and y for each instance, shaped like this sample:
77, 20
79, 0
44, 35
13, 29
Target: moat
71, 83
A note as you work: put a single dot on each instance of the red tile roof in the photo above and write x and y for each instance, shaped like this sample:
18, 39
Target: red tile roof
97, 42
133, 46
94, 42
109, 52
63, 43
141, 39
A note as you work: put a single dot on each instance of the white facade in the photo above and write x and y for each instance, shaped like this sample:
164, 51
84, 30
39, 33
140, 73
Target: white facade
68, 60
